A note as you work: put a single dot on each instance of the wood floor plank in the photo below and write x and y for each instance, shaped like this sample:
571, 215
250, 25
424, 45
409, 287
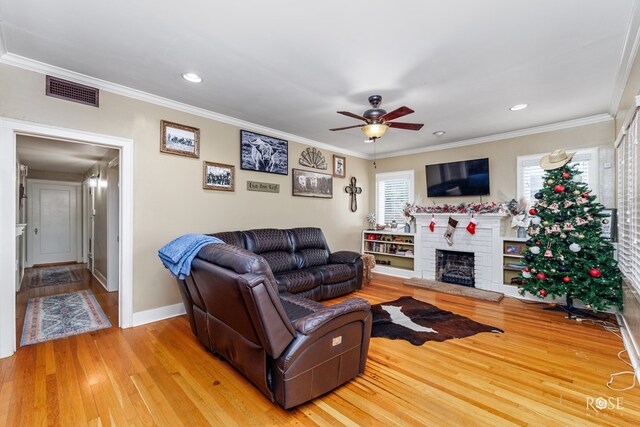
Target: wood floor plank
541, 371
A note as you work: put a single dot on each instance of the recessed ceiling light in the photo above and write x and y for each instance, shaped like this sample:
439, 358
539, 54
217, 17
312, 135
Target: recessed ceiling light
439, 133
519, 107
192, 77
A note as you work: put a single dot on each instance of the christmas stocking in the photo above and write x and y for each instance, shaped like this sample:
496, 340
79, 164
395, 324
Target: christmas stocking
432, 224
451, 228
471, 228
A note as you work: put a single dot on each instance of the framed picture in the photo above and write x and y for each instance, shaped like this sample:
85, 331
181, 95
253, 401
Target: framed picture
312, 184
339, 166
179, 139
217, 176
608, 219
512, 249
263, 153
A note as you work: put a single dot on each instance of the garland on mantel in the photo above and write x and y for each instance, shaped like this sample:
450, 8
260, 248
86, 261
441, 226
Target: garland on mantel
467, 208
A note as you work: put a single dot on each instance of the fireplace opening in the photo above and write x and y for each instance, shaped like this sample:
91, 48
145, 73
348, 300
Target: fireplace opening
455, 267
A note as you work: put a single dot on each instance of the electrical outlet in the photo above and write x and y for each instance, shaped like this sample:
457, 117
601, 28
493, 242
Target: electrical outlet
337, 341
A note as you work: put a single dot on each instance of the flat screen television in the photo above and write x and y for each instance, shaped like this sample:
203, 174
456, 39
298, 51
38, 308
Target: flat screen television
465, 178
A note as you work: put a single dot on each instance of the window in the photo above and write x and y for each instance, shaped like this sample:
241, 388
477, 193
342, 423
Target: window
628, 160
393, 191
530, 174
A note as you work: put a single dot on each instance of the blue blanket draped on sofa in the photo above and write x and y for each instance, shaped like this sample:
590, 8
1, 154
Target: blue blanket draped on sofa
178, 254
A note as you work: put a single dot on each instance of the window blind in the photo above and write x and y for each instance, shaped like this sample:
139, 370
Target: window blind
393, 191
531, 174
628, 160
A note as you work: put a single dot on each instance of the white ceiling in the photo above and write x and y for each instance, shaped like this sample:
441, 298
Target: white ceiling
57, 156
290, 65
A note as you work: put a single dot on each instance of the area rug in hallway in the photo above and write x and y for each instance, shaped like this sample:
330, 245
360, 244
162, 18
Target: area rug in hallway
56, 275
59, 316
418, 322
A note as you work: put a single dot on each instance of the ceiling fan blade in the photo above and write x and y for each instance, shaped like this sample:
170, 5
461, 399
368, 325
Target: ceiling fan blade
348, 127
398, 112
408, 126
355, 116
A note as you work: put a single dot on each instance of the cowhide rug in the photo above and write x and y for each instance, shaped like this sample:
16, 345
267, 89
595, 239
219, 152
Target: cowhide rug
418, 322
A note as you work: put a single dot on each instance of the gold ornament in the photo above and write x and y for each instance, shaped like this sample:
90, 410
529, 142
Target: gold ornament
545, 223
550, 181
576, 192
580, 236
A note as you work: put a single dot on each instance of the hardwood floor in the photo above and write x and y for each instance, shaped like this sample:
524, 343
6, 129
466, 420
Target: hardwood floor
541, 371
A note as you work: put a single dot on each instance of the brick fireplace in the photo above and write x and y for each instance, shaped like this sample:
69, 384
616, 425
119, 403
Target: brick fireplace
485, 246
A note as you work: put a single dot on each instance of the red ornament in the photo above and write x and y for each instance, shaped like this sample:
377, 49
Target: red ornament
432, 226
594, 272
566, 279
541, 276
565, 175
538, 242
558, 188
585, 195
526, 269
533, 211
542, 292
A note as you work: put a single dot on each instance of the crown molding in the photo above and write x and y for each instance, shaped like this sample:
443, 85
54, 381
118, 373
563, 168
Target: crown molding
506, 135
47, 69
627, 57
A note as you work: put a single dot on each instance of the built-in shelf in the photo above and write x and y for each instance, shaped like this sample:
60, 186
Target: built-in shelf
383, 245
384, 253
512, 248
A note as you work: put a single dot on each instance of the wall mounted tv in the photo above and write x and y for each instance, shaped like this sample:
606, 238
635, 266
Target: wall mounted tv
466, 178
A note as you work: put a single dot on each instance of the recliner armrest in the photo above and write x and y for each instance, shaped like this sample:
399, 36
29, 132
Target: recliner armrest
311, 322
344, 257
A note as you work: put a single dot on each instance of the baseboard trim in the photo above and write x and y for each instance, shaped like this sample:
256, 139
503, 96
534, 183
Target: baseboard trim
630, 344
100, 278
157, 314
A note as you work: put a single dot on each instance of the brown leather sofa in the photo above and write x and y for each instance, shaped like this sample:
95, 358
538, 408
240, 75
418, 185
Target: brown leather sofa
301, 261
290, 347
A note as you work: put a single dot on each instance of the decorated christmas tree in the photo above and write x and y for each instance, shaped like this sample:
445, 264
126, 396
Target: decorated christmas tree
566, 256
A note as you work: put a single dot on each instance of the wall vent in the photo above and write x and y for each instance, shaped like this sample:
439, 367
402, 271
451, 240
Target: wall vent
71, 91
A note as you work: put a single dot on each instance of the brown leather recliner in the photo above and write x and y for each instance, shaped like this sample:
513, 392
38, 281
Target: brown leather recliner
290, 347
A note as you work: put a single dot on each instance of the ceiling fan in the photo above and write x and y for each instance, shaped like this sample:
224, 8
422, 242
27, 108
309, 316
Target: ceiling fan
377, 120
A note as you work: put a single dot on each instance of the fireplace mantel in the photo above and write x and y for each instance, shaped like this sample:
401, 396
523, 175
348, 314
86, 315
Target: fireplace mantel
486, 244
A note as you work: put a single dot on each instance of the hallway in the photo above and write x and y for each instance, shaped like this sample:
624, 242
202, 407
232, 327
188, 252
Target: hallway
32, 287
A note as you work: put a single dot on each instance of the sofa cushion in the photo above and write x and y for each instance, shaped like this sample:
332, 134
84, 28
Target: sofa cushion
309, 246
296, 281
235, 238
268, 240
335, 273
274, 245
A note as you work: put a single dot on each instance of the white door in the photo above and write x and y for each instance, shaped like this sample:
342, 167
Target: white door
52, 223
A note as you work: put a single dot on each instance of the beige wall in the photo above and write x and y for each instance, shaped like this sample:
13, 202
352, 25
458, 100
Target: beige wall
502, 159
168, 195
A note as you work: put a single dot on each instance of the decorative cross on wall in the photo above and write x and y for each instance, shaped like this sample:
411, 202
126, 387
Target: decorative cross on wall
353, 191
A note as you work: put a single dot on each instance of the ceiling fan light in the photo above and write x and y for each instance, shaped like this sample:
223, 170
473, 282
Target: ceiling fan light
375, 130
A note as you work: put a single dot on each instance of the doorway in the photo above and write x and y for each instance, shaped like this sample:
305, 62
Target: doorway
9, 131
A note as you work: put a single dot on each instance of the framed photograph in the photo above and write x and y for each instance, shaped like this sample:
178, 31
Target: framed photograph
512, 249
339, 166
179, 139
217, 176
263, 153
608, 219
312, 184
